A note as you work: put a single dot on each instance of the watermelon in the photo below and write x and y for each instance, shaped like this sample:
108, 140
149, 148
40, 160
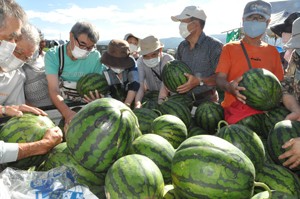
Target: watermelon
145, 117
100, 133
158, 149
134, 176
182, 98
282, 132
28, 128
178, 109
171, 128
207, 116
173, 74
256, 123
91, 82
61, 156
263, 89
150, 100
274, 195
279, 178
206, 166
246, 140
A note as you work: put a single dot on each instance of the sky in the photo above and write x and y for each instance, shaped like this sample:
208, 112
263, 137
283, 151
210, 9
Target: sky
115, 18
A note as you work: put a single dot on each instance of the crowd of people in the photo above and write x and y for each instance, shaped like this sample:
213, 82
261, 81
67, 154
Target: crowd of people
31, 78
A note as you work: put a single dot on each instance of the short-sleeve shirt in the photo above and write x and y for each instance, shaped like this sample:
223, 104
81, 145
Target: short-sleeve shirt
12, 87
73, 69
147, 74
234, 63
202, 59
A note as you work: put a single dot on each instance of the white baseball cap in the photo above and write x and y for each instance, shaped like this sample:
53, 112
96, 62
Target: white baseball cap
190, 11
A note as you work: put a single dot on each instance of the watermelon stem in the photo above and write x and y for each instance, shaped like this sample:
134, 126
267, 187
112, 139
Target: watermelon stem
264, 186
221, 122
157, 111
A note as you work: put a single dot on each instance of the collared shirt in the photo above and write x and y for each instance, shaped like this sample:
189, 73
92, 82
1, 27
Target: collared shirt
8, 152
202, 59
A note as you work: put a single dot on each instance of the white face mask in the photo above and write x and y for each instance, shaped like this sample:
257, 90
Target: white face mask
12, 63
6, 50
151, 63
285, 37
79, 53
117, 70
183, 29
133, 48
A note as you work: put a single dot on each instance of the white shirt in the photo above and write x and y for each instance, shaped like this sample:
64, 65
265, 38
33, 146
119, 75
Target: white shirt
12, 87
8, 152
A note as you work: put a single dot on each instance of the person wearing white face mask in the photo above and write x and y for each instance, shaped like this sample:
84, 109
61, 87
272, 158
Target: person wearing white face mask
121, 72
134, 46
64, 65
150, 66
250, 52
200, 52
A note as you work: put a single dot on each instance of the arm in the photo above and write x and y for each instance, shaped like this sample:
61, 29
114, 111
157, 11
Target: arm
292, 105
139, 96
130, 97
163, 93
57, 99
18, 110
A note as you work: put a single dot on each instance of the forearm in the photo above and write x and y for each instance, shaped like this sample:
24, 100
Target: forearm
130, 97
291, 103
59, 103
140, 94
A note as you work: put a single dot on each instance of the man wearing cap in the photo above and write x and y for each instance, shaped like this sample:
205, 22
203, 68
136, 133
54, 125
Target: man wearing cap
293, 146
121, 73
235, 61
150, 66
200, 52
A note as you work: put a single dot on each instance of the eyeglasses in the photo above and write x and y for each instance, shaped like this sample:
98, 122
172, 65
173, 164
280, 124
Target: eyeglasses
21, 55
256, 18
83, 46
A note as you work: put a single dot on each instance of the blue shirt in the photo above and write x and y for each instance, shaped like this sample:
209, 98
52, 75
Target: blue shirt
202, 59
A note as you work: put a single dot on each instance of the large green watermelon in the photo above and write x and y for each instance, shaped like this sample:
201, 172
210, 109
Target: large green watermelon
171, 128
101, 132
145, 117
173, 74
208, 115
92, 82
206, 166
158, 149
28, 128
282, 132
134, 176
263, 89
246, 140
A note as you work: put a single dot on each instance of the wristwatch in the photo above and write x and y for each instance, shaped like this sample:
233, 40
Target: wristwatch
201, 83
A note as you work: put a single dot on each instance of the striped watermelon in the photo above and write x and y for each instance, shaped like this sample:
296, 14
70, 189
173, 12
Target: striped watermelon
182, 98
178, 109
101, 132
134, 176
282, 132
196, 130
61, 156
255, 123
280, 179
246, 140
207, 116
171, 128
145, 117
206, 166
173, 74
273, 116
274, 195
158, 149
91, 82
150, 100
263, 89
28, 128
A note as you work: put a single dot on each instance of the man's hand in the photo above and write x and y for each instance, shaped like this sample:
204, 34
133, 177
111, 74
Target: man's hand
52, 137
190, 84
234, 88
92, 96
293, 153
18, 110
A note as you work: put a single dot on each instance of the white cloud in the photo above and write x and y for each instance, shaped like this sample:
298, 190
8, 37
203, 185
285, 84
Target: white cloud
114, 22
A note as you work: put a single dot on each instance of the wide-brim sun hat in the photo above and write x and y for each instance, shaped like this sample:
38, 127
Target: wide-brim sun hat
294, 41
286, 25
150, 44
118, 55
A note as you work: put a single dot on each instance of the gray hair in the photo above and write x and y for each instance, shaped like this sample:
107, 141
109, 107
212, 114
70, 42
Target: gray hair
11, 8
31, 34
87, 28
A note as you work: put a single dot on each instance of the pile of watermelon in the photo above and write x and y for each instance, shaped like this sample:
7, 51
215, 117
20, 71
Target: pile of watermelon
165, 151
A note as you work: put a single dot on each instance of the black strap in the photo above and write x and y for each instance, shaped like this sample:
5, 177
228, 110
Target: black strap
157, 75
61, 59
246, 55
